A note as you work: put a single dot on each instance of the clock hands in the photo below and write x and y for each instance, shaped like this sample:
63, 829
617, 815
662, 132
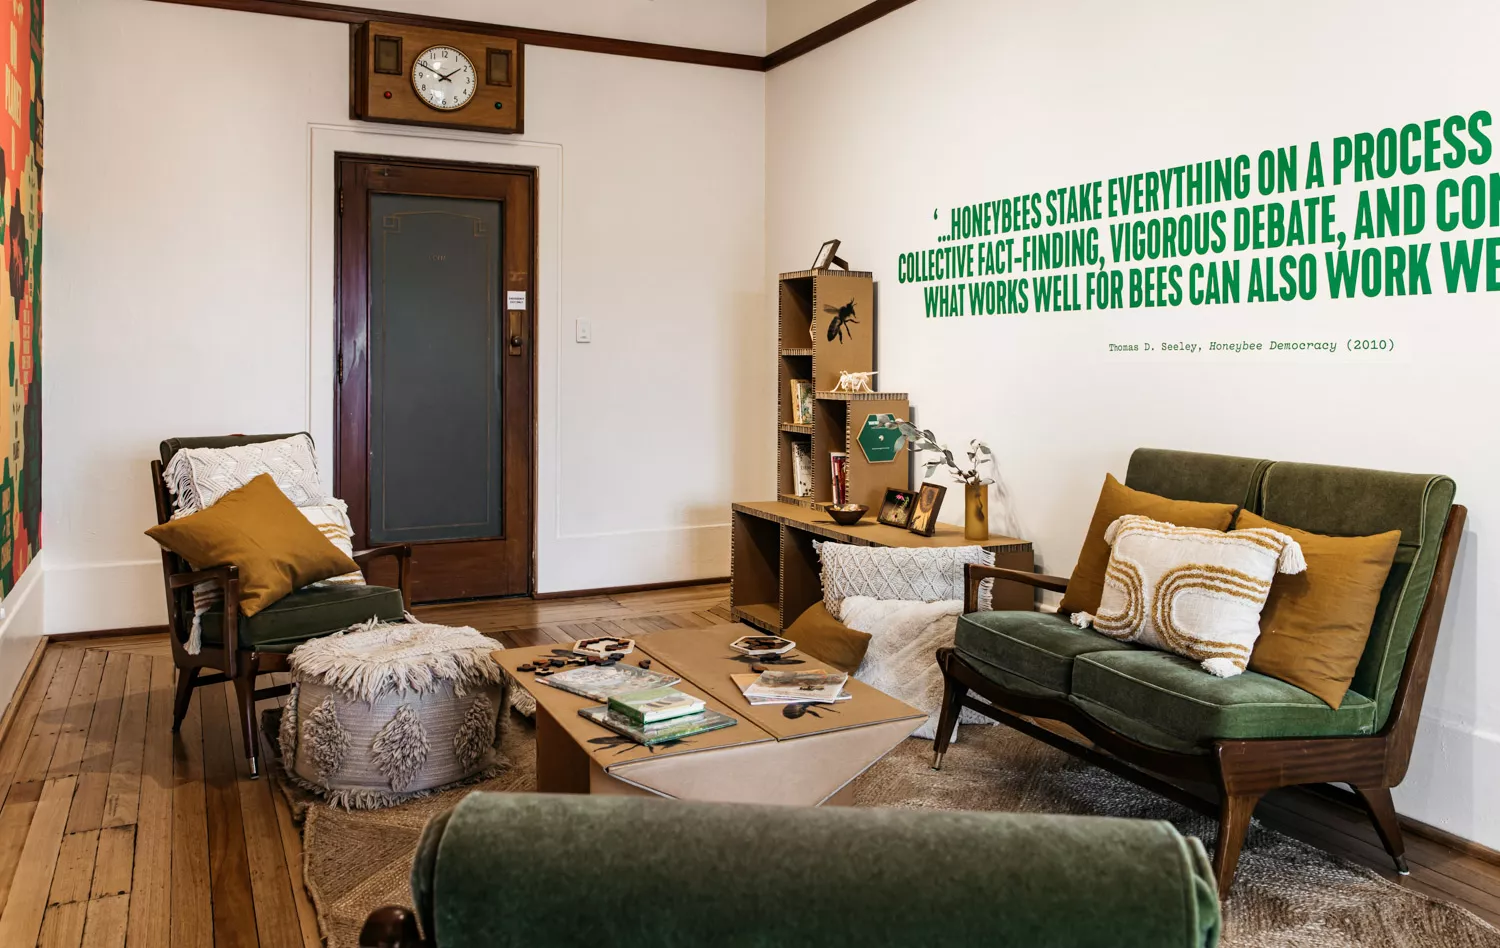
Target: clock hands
441, 77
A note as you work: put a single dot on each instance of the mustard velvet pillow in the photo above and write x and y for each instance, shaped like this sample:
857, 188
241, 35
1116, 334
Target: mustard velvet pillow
1115, 501
257, 529
820, 635
1315, 624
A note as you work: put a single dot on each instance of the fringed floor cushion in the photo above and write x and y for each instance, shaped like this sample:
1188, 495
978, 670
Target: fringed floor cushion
386, 712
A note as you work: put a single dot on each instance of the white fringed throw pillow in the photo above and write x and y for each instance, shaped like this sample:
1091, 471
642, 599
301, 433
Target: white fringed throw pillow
1197, 593
905, 573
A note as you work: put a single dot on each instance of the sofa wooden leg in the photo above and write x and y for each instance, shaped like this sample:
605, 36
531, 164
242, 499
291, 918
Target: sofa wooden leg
1382, 812
1234, 821
953, 695
185, 679
244, 690
390, 927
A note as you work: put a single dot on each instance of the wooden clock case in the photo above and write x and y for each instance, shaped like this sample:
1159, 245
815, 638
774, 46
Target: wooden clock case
381, 89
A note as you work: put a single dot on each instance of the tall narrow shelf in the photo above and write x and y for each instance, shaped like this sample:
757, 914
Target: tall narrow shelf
827, 327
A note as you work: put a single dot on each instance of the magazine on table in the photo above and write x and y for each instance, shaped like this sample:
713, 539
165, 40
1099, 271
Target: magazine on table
663, 731
743, 682
602, 682
794, 687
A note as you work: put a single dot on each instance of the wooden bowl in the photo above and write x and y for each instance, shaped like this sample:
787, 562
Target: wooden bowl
847, 515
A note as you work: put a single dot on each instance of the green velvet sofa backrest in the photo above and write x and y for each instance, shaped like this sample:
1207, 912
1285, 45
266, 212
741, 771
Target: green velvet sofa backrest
525, 869
1334, 501
1188, 475
1356, 502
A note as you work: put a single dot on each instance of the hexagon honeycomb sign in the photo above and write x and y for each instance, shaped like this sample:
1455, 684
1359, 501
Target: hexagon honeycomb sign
880, 445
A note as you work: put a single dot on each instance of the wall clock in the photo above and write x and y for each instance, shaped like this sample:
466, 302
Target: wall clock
418, 76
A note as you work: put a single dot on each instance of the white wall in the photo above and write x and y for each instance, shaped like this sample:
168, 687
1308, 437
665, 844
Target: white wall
789, 20
994, 99
184, 259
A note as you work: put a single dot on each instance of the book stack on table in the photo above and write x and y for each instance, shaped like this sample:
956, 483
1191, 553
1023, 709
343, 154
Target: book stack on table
814, 686
639, 704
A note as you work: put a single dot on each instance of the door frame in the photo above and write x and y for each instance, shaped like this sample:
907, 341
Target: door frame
531, 322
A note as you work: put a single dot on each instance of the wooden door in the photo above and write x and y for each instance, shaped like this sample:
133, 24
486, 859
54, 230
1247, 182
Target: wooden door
435, 393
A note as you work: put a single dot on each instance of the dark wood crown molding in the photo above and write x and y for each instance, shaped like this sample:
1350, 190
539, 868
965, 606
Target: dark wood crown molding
843, 26
338, 13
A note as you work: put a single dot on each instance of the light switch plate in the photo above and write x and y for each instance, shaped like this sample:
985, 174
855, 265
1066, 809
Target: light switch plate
585, 331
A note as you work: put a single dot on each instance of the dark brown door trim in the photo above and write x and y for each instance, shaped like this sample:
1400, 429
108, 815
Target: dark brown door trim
351, 390
338, 13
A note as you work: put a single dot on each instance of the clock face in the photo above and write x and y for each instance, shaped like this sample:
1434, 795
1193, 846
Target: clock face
444, 78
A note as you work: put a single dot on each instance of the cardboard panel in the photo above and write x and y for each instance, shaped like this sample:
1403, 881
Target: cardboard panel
704, 657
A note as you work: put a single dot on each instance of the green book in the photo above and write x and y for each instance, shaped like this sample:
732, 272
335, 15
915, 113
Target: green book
673, 729
654, 704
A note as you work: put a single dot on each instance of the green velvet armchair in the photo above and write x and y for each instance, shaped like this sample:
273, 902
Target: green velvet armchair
1150, 713
241, 649
514, 869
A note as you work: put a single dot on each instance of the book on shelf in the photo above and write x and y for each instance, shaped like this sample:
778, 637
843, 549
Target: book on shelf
602, 682
743, 682
654, 704
802, 401
662, 732
839, 465
802, 469
794, 687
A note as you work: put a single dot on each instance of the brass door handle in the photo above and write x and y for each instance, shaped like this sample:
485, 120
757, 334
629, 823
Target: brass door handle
517, 318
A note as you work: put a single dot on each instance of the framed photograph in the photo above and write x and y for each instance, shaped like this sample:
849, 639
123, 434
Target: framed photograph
826, 255
925, 512
896, 510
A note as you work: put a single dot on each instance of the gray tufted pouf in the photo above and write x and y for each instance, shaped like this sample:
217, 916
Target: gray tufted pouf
386, 712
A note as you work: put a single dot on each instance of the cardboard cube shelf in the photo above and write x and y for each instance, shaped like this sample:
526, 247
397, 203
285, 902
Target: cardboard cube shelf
826, 328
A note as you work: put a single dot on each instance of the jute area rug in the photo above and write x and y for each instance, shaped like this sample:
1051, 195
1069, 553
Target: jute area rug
1287, 894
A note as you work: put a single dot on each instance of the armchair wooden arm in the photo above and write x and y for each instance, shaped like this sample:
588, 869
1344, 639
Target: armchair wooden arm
402, 554
975, 573
220, 575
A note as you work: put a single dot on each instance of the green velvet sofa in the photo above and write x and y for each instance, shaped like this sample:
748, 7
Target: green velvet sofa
505, 869
1148, 712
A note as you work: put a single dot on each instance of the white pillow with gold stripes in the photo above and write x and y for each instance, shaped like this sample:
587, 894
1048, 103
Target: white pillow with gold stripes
1197, 593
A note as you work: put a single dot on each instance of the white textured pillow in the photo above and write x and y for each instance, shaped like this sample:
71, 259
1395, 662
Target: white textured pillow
1197, 593
198, 477
917, 575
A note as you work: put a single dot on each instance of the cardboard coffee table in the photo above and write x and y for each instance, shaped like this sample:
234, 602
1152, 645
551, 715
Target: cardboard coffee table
765, 758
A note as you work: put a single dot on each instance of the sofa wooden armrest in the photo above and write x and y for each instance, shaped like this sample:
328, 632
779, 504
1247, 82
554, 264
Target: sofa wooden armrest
976, 573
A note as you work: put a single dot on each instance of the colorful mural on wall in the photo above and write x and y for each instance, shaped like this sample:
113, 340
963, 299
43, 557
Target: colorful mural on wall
20, 297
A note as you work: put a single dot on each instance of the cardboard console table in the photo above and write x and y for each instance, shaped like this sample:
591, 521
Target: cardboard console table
775, 574
765, 758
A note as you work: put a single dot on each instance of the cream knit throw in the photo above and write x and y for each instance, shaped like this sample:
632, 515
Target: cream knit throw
1197, 593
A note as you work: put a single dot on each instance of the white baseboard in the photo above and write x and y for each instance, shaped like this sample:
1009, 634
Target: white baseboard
24, 624
1451, 783
97, 596
637, 558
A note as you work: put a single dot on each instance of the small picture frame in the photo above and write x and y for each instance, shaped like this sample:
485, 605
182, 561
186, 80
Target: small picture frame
895, 510
826, 255
924, 514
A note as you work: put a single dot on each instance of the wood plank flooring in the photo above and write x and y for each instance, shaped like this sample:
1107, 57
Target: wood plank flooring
114, 831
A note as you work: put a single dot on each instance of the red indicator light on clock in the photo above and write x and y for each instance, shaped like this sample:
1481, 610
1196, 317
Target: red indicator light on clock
387, 95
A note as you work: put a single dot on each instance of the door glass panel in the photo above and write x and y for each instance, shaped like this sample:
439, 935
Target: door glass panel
435, 364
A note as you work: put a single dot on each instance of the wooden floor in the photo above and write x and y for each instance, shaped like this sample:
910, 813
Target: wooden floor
114, 831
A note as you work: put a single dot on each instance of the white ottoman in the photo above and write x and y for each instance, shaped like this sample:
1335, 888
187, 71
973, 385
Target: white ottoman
384, 712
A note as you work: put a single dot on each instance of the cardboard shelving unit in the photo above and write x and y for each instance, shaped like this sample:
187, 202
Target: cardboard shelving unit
827, 327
